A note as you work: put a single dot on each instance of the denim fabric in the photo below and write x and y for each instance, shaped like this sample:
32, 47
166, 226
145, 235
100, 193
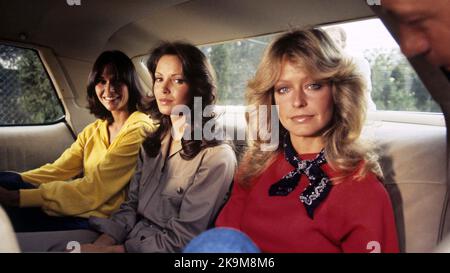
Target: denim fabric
34, 219
221, 240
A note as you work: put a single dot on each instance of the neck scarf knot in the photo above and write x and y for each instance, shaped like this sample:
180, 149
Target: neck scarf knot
319, 183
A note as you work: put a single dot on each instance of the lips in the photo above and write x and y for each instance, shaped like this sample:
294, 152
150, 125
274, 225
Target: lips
165, 101
302, 118
110, 98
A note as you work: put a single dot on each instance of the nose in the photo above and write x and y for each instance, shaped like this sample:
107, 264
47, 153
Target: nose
165, 87
299, 99
109, 88
413, 41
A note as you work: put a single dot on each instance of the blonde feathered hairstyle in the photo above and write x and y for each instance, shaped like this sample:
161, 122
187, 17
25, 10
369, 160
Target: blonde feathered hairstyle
314, 50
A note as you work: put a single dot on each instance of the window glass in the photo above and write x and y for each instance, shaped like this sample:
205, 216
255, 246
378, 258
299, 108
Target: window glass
392, 82
235, 63
26, 93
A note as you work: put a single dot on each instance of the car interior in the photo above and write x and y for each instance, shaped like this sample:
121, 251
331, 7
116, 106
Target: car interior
68, 35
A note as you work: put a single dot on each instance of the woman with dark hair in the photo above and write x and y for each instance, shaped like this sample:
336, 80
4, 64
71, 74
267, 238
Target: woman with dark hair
180, 183
90, 177
198, 75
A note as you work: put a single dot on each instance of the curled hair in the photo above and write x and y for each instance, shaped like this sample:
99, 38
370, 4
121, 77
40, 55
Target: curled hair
124, 72
314, 51
200, 78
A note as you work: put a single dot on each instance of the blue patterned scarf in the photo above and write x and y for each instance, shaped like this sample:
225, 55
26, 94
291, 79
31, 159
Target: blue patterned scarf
319, 183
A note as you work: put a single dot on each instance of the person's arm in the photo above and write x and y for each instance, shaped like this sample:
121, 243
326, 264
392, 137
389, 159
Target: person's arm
104, 244
86, 194
370, 220
93, 248
105, 240
67, 166
200, 203
9, 198
116, 228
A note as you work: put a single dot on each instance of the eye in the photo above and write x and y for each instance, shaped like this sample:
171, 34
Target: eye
100, 81
158, 79
179, 81
282, 90
117, 84
314, 86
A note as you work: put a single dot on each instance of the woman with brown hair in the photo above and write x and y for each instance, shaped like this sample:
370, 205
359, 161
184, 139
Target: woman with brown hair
180, 183
90, 177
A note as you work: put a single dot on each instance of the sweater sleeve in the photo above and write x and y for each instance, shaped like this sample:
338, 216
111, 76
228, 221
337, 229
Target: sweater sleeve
123, 220
85, 194
200, 203
67, 166
369, 224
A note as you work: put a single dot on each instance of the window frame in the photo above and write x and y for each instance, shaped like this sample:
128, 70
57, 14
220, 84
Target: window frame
398, 116
55, 92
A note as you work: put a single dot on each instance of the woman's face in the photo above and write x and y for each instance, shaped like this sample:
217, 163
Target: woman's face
170, 87
112, 93
305, 105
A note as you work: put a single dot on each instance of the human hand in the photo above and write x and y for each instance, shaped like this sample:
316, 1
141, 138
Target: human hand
9, 198
94, 248
105, 240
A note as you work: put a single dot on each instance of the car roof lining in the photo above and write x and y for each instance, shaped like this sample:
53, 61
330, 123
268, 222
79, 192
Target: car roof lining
135, 26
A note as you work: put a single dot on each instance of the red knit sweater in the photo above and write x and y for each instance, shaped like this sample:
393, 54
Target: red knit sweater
356, 216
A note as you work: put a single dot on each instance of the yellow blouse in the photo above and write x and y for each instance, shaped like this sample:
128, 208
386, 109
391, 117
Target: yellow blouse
106, 169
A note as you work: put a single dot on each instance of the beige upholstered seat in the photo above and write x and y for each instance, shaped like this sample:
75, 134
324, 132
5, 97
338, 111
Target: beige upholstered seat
28, 147
413, 159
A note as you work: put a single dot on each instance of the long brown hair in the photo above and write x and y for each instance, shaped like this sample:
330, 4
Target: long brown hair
124, 72
199, 75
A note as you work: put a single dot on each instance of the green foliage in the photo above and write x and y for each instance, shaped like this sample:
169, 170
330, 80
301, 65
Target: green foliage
395, 84
221, 60
235, 63
26, 92
38, 98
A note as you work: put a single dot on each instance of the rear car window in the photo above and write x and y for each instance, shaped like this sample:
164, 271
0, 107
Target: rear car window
393, 85
27, 96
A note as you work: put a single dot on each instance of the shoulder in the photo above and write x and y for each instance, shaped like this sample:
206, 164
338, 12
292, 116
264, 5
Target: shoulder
139, 117
221, 150
366, 191
369, 182
275, 166
140, 122
92, 127
222, 153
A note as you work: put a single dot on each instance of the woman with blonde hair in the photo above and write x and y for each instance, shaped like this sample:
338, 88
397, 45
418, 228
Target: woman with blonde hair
319, 191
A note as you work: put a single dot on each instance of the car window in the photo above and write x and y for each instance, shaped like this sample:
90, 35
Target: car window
27, 96
392, 83
235, 63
